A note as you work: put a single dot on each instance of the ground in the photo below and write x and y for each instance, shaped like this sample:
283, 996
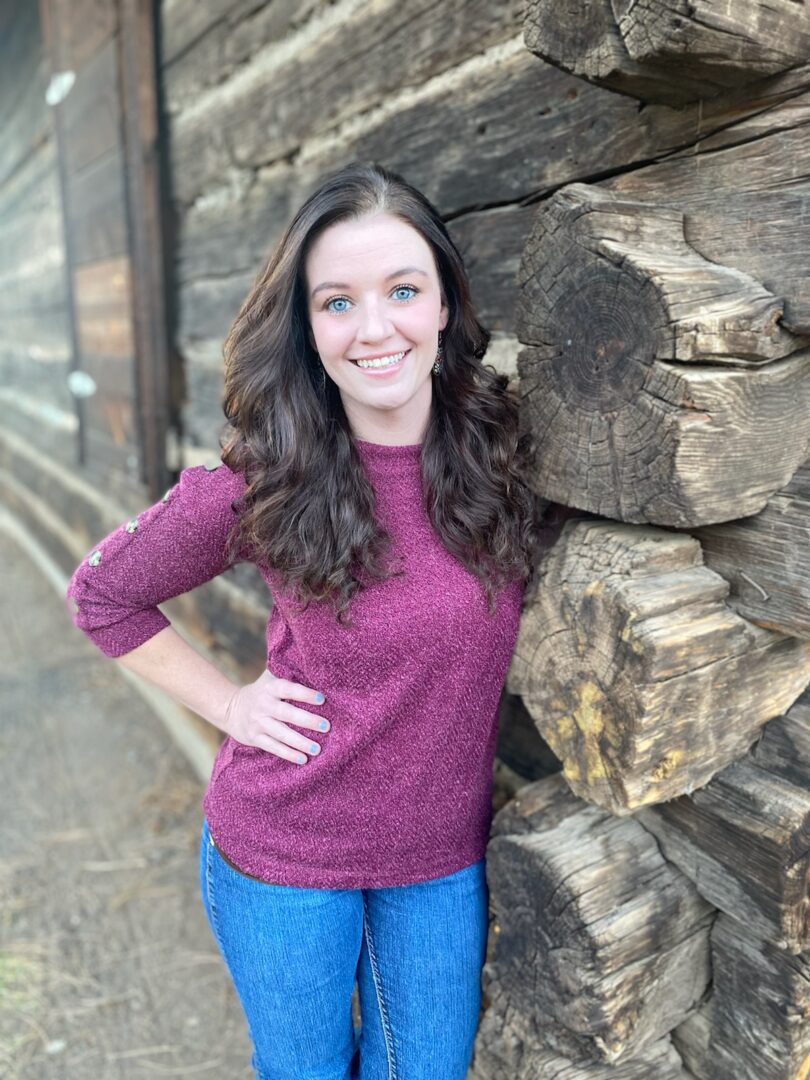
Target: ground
108, 969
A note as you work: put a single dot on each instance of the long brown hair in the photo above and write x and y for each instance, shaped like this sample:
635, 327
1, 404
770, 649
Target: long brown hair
308, 511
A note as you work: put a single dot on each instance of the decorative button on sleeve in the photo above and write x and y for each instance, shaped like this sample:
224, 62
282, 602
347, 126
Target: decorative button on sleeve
167, 549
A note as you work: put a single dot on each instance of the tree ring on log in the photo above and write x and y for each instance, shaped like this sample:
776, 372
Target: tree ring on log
567, 881
600, 364
622, 317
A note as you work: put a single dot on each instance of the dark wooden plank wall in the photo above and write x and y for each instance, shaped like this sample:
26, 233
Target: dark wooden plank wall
82, 38
107, 139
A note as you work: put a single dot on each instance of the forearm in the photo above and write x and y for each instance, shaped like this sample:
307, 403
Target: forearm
169, 662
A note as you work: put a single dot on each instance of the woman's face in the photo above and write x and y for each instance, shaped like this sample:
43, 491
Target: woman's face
372, 291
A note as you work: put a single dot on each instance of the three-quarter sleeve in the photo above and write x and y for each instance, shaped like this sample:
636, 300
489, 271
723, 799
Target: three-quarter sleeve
167, 549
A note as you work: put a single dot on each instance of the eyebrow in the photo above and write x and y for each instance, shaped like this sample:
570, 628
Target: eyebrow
345, 285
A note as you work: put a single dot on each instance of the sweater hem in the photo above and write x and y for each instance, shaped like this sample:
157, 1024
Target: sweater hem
276, 873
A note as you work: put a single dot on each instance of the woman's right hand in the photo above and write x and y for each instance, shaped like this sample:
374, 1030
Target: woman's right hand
256, 715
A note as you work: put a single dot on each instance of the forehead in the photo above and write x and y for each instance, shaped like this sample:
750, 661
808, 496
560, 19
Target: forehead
369, 247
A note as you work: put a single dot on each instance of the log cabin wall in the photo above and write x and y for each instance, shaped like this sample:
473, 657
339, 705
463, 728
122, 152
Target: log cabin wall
663, 653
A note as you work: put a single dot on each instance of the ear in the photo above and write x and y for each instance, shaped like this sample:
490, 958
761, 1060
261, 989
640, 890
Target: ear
444, 315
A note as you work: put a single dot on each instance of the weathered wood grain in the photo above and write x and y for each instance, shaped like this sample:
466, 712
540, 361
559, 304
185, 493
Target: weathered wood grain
746, 197
91, 112
82, 27
184, 23
98, 210
500, 1054
102, 296
617, 310
600, 946
760, 1005
639, 676
309, 82
691, 1039
668, 50
594, 253
766, 558
527, 128
744, 838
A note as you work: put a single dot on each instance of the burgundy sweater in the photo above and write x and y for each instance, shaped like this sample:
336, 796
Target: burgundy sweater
401, 790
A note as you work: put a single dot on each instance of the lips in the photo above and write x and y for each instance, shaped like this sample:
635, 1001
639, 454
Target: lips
385, 357
383, 369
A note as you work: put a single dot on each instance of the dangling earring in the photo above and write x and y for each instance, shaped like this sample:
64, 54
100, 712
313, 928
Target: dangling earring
437, 363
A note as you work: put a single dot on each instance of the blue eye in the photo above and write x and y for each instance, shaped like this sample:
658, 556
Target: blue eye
406, 288
344, 299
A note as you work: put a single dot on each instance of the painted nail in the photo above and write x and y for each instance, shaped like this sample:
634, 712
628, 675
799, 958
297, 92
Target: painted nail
323, 725
301, 759
313, 748
319, 698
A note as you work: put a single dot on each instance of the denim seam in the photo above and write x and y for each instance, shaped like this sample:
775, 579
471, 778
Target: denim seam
214, 918
375, 974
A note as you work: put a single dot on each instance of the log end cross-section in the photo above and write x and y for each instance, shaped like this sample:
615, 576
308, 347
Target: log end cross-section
659, 386
640, 677
600, 946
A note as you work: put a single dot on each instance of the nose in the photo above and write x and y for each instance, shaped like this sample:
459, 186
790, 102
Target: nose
374, 324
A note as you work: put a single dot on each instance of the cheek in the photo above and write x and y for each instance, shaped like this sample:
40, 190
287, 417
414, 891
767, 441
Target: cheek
332, 340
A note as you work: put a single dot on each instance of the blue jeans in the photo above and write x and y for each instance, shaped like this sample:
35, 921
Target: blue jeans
294, 955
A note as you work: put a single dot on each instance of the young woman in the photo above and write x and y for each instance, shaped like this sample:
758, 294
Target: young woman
373, 470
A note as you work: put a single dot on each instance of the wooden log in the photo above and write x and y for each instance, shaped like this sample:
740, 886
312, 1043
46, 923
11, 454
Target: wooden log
745, 205
760, 1006
744, 839
639, 676
600, 946
617, 309
766, 558
576, 130
501, 1054
668, 50
305, 84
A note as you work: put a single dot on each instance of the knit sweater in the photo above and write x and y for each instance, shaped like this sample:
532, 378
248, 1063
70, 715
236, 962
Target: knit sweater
401, 790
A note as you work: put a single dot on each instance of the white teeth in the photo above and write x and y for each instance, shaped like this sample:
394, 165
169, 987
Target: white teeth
383, 361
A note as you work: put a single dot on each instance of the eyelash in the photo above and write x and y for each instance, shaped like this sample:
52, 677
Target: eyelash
413, 289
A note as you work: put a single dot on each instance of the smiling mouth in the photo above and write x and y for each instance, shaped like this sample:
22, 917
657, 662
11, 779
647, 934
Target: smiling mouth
383, 363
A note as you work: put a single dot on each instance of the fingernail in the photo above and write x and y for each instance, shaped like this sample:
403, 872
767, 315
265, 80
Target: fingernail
323, 725
319, 698
301, 759
313, 748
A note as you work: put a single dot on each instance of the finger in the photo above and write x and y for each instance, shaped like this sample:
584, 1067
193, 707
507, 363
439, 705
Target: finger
284, 688
280, 749
280, 732
291, 714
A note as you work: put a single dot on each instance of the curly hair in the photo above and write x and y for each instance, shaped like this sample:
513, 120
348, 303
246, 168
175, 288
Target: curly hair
308, 510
